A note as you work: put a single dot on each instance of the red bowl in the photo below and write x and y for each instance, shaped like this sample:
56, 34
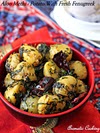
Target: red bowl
37, 119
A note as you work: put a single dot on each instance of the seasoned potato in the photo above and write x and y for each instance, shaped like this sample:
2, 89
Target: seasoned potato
8, 80
12, 62
24, 71
79, 69
51, 70
30, 54
43, 49
64, 86
30, 104
44, 79
54, 49
80, 87
12, 90
49, 104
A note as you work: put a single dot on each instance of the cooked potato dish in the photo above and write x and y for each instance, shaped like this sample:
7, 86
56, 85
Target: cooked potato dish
44, 79
64, 86
79, 69
30, 104
50, 103
16, 88
54, 49
51, 69
12, 62
80, 86
30, 54
8, 81
24, 71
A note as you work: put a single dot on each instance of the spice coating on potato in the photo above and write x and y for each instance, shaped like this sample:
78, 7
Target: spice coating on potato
44, 50
50, 104
79, 69
30, 104
12, 62
64, 85
24, 71
8, 80
30, 54
12, 90
51, 69
81, 87
54, 49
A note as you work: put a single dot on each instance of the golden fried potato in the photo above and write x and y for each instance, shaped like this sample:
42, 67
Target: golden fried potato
8, 80
45, 103
30, 104
79, 69
12, 90
54, 49
49, 104
30, 54
51, 69
80, 87
24, 71
64, 85
12, 62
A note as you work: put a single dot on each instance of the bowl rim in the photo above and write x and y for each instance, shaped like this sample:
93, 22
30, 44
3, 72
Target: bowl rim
55, 114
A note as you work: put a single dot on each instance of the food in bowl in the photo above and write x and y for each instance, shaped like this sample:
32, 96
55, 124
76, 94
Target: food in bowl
45, 79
